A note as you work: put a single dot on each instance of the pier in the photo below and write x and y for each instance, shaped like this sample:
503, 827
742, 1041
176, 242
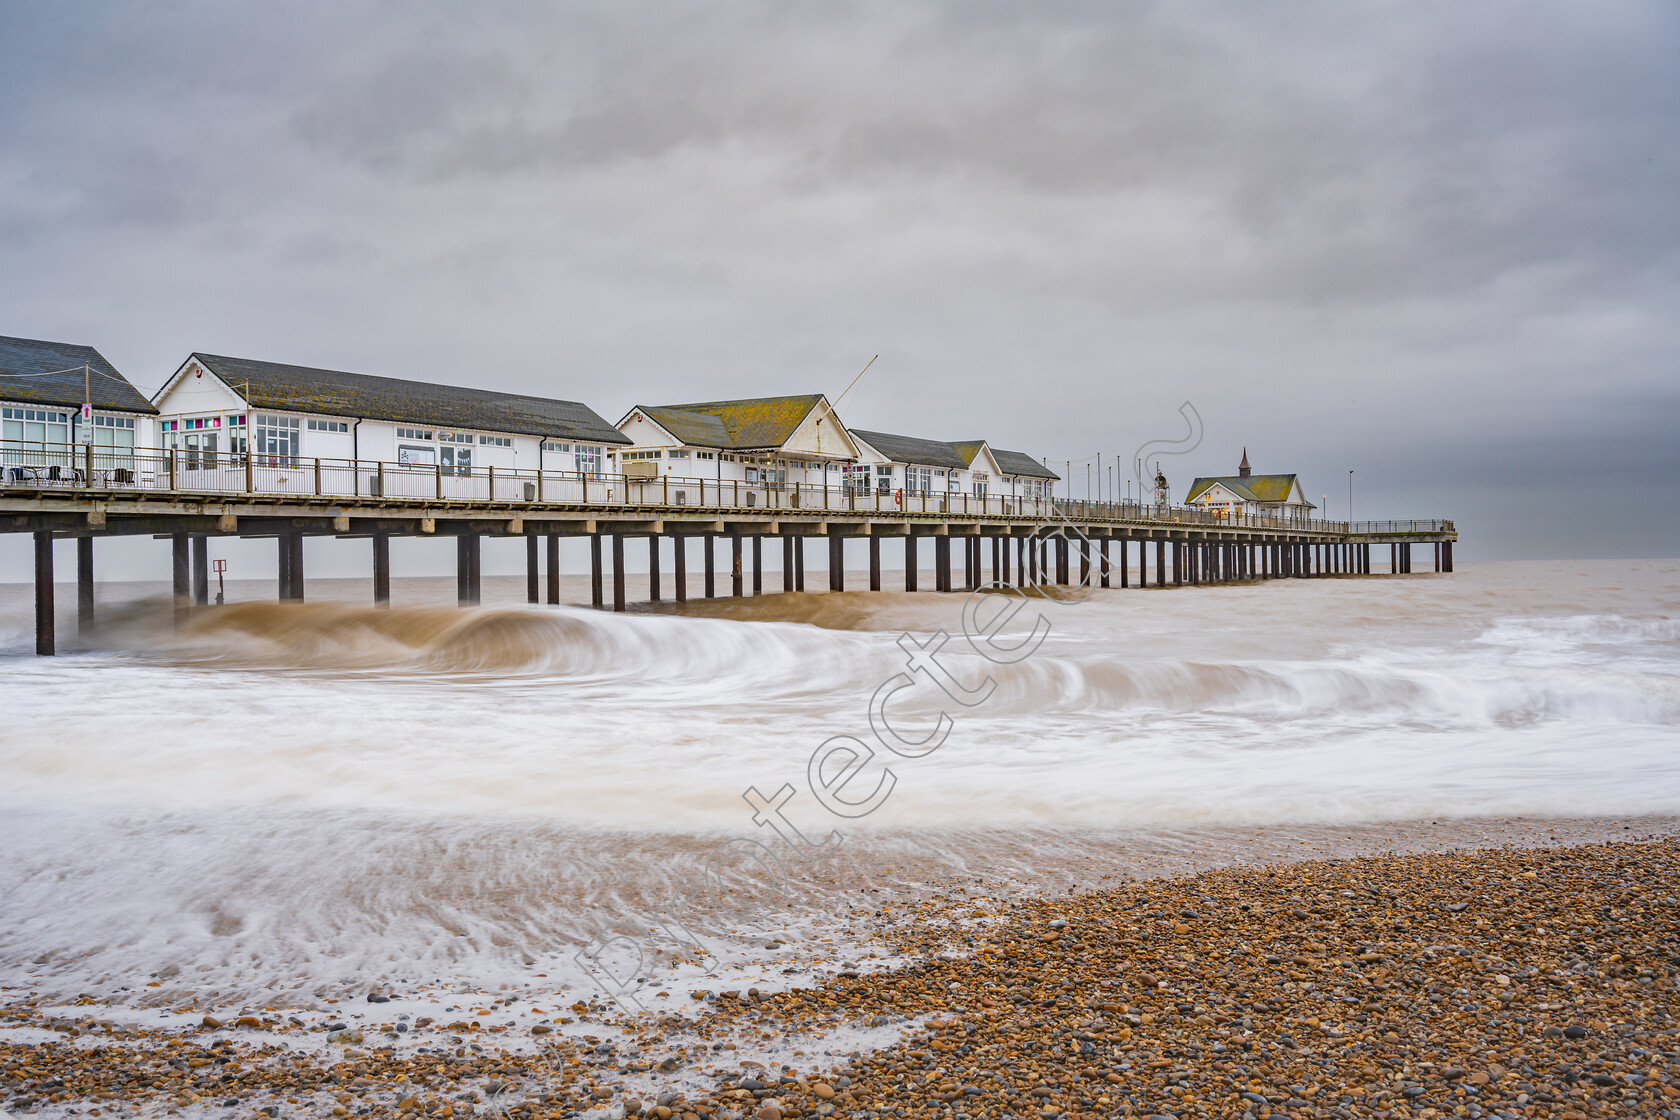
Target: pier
1005, 540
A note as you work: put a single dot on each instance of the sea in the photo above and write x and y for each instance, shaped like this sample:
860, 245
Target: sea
276, 804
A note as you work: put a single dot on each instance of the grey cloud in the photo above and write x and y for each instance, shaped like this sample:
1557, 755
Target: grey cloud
1374, 236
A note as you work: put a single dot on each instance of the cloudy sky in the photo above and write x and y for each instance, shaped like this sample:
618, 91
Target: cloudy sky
1435, 243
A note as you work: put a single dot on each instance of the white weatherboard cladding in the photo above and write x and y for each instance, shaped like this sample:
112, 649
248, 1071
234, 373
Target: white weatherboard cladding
1218, 495
820, 433
643, 432
196, 391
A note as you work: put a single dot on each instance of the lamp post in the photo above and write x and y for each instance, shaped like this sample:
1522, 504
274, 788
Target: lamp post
1350, 501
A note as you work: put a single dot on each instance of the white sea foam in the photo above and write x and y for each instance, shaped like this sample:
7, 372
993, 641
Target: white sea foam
294, 798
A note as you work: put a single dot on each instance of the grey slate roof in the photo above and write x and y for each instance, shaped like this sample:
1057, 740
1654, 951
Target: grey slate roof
335, 393
910, 449
1020, 465
24, 360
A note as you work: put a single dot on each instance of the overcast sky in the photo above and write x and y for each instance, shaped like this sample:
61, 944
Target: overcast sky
1435, 243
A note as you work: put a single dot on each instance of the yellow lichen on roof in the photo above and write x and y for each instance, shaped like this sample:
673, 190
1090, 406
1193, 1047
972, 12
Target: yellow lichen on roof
758, 422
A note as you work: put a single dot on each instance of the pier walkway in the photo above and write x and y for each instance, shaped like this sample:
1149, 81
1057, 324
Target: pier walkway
86, 493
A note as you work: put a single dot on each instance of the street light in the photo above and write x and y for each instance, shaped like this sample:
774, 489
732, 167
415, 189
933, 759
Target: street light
1350, 501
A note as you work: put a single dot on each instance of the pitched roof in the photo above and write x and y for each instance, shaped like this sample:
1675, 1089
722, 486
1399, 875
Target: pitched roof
1254, 488
30, 374
968, 449
335, 393
909, 449
754, 424
1020, 465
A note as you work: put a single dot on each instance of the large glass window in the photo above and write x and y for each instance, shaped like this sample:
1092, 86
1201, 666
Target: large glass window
277, 441
588, 459
31, 433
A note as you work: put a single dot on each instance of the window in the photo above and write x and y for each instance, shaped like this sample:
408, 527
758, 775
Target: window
113, 436
456, 460
496, 441
413, 433
588, 459
630, 455
328, 426
454, 437
277, 440
236, 435
552, 445
918, 478
857, 479
679, 453
980, 481
29, 431
36, 425
413, 456
705, 454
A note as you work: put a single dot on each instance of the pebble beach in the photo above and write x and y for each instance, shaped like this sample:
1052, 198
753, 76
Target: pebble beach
1517, 982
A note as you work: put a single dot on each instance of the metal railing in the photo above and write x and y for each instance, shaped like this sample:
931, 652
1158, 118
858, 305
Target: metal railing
1429, 526
48, 467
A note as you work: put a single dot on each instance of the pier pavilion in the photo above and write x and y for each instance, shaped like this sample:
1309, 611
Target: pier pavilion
56, 396
905, 465
1276, 495
214, 409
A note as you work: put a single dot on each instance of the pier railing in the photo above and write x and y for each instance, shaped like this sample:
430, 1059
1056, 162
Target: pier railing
37, 467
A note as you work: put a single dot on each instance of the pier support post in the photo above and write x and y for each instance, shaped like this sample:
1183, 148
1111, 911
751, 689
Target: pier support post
836, 563
467, 554
1021, 562
679, 566
1446, 556
653, 567
910, 563
46, 623
296, 566
799, 563
200, 570
1125, 575
382, 569
1178, 563
787, 563
874, 563
181, 574
533, 576
618, 571
283, 550
596, 598
711, 565
1085, 563
737, 581
1030, 544
942, 563
758, 565
553, 572
84, 585
1160, 563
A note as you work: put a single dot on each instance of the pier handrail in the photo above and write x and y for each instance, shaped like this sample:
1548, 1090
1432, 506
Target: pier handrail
195, 474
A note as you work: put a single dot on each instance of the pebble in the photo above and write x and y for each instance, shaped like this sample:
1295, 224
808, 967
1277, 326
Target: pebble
1346, 988
1341, 988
